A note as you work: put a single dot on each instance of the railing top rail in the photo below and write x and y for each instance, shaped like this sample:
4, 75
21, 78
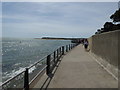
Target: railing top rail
11, 78
42, 59
37, 62
7, 81
37, 74
21, 72
54, 51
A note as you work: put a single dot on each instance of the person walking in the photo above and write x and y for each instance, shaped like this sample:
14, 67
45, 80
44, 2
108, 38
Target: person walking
86, 44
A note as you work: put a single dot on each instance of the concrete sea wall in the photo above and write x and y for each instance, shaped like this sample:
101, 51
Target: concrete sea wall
105, 47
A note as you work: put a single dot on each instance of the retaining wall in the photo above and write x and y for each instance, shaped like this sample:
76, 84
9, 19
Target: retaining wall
106, 48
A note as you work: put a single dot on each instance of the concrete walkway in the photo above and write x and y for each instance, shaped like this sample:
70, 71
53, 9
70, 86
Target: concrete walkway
79, 70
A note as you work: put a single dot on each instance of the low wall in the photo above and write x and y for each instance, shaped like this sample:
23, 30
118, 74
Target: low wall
106, 47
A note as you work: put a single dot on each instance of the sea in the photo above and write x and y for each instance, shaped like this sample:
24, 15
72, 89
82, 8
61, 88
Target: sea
19, 53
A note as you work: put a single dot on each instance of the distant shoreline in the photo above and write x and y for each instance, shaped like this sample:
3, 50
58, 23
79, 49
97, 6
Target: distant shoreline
49, 39
54, 38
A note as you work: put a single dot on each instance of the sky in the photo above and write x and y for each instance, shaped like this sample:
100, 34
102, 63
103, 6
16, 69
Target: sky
56, 19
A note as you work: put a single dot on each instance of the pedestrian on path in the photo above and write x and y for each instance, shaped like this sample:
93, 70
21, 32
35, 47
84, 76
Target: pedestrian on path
86, 44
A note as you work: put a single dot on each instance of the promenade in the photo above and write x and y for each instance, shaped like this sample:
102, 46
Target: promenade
78, 69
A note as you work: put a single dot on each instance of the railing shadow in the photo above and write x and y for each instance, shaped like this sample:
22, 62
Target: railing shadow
50, 76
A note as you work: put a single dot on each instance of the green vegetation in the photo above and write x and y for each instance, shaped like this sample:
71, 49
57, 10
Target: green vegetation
111, 26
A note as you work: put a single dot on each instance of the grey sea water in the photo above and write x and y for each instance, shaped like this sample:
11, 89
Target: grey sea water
18, 54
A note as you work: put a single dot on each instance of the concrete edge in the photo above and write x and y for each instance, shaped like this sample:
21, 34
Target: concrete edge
107, 66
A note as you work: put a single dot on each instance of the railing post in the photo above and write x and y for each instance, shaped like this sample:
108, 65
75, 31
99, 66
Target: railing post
66, 48
69, 46
57, 54
48, 71
62, 50
26, 80
54, 56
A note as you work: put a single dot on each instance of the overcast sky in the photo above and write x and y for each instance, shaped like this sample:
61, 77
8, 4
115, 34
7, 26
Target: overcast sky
37, 19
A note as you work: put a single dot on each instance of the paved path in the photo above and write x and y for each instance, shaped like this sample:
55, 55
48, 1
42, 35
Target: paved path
79, 70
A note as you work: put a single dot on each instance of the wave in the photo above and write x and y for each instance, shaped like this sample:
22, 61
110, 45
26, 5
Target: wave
16, 72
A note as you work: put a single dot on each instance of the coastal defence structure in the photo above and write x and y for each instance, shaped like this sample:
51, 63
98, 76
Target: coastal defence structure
105, 48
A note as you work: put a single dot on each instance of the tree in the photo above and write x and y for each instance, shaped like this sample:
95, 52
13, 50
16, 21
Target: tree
108, 26
116, 16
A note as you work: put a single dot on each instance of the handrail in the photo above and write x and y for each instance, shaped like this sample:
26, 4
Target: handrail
22, 71
12, 78
37, 62
56, 55
37, 74
42, 58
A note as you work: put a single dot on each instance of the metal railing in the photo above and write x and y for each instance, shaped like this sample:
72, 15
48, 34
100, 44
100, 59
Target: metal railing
48, 63
15, 82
